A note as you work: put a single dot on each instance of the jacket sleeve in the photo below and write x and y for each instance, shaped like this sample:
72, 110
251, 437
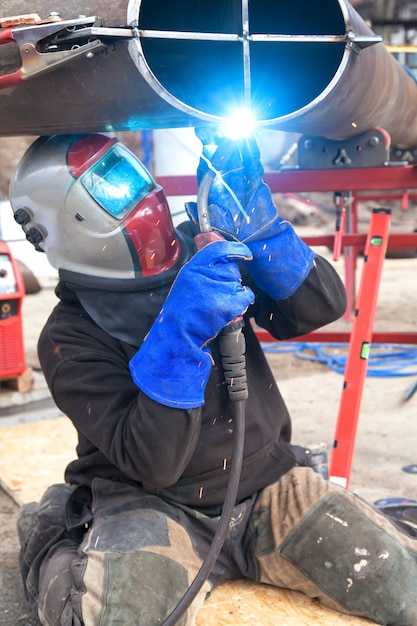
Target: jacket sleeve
319, 300
89, 378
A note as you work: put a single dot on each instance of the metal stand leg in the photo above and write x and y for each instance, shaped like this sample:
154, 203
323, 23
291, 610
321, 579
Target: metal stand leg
359, 346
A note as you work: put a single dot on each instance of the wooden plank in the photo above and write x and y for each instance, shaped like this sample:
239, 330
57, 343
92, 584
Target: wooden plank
244, 603
22, 383
34, 455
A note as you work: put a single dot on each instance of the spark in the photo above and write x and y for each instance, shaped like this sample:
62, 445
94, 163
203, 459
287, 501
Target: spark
200, 493
96, 541
224, 464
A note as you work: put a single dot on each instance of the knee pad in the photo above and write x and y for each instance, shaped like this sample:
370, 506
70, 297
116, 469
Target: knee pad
363, 566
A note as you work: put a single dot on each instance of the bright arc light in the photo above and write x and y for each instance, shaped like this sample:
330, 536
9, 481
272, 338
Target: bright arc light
240, 124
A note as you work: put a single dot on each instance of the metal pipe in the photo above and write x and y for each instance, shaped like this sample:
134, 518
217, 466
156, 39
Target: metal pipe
191, 62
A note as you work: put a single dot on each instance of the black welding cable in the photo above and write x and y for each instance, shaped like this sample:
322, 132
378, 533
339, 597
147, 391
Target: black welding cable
232, 348
224, 521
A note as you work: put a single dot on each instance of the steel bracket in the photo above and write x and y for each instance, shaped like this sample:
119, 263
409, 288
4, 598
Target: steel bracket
368, 149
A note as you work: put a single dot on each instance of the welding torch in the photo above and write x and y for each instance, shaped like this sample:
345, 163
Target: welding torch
232, 349
231, 339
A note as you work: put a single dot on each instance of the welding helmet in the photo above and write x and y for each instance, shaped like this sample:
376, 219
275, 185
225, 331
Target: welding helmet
97, 213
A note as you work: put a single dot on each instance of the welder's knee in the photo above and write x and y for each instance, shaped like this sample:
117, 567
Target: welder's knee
364, 566
138, 563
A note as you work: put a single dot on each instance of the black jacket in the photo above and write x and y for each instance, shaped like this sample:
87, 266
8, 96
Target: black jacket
183, 455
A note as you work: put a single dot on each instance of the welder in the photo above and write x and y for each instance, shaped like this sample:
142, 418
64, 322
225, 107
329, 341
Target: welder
131, 355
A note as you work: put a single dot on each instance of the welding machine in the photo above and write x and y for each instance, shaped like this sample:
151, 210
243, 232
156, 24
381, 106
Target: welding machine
12, 291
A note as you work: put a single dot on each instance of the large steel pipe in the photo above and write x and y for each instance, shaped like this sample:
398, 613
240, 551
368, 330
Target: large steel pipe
301, 69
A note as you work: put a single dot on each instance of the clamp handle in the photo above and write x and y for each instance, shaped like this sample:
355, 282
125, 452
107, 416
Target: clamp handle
15, 78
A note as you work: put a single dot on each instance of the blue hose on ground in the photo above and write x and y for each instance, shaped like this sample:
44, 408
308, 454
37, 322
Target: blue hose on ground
385, 360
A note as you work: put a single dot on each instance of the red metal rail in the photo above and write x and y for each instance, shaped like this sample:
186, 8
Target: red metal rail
327, 336
396, 177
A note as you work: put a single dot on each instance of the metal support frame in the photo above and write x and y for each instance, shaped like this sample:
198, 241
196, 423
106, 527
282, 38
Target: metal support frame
383, 181
399, 178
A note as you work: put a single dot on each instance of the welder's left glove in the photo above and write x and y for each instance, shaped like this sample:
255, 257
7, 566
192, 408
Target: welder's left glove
174, 362
240, 207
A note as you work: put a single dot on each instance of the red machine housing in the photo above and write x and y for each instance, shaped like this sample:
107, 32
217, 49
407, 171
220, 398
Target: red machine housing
12, 291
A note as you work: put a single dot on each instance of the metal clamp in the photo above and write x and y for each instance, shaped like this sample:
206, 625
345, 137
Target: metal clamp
44, 47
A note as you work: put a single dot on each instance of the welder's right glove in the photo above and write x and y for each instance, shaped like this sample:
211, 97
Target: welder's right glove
240, 207
173, 364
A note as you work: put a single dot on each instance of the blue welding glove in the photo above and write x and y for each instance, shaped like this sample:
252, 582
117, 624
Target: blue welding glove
173, 364
240, 207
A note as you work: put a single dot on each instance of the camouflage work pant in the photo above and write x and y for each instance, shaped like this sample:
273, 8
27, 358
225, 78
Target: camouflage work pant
139, 555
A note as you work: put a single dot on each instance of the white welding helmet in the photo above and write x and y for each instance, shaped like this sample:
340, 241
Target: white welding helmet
95, 210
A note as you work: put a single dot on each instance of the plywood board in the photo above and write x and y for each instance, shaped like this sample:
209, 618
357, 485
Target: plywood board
244, 603
34, 455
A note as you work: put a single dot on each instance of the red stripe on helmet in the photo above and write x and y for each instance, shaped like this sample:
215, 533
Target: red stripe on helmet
86, 151
151, 236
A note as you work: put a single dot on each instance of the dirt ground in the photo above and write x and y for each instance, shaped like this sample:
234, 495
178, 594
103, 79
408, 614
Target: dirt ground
387, 435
